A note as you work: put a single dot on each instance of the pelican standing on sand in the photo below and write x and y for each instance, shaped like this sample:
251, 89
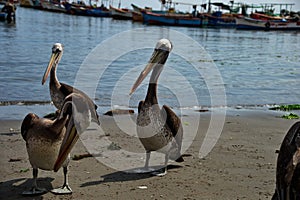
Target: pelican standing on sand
288, 166
58, 90
49, 142
159, 129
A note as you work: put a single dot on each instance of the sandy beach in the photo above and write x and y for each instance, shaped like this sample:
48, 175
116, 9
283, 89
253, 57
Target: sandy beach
241, 165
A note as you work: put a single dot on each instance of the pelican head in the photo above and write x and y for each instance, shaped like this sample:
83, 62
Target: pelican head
157, 61
57, 52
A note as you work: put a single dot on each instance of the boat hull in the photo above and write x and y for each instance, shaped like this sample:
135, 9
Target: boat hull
123, 14
172, 20
246, 23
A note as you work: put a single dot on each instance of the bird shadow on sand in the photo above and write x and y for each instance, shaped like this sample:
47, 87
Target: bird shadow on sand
128, 175
13, 189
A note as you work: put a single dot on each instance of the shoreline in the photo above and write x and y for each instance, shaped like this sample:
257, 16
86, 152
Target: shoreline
19, 111
241, 165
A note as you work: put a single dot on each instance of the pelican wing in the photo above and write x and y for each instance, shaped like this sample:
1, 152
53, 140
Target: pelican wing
26, 125
174, 123
67, 89
287, 161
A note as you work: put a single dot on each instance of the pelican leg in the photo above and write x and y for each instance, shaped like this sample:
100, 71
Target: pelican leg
35, 190
65, 189
146, 167
163, 171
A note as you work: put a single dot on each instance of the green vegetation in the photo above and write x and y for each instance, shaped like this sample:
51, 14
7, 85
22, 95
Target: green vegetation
24, 170
290, 116
287, 107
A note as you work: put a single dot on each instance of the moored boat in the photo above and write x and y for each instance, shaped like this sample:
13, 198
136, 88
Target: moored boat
247, 23
120, 13
172, 19
219, 19
31, 4
52, 6
85, 10
137, 12
3, 16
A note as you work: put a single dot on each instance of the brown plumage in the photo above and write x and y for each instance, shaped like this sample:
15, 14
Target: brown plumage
49, 142
159, 129
288, 168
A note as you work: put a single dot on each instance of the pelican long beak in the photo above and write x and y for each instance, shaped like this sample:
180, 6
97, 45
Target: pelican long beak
69, 141
158, 57
54, 59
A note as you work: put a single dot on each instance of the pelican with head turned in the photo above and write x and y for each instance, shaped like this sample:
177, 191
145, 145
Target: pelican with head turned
288, 166
49, 142
58, 90
159, 129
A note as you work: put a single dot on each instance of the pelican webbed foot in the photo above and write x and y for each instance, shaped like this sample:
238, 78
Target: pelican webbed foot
160, 172
143, 170
65, 189
34, 191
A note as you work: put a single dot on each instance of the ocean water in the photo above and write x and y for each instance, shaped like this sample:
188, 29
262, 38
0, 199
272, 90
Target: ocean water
103, 57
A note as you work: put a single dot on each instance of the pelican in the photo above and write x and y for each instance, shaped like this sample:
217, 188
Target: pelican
49, 142
159, 129
58, 90
288, 166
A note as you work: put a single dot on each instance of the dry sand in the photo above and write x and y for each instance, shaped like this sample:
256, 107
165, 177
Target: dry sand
241, 165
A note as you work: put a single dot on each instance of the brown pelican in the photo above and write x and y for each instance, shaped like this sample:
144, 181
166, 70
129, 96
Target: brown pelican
58, 90
49, 142
158, 129
288, 167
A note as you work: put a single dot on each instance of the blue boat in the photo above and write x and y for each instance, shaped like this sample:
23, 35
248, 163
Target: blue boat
3, 16
220, 20
172, 19
85, 10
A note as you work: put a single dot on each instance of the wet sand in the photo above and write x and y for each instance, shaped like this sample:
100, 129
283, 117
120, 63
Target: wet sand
241, 165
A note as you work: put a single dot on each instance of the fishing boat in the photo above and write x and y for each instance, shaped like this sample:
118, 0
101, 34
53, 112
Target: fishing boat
219, 19
137, 12
120, 13
221, 15
52, 6
36, 4
247, 23
3, 16
8, 13
172, 19
86, 10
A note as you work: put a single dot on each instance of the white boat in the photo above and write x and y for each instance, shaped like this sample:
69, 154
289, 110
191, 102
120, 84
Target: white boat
247, 23
51, 6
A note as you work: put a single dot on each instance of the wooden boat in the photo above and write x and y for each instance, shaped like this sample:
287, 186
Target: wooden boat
3, 16
8, 13
85, 10
137, 16
52, 6
137, 12
261, 16
172, 19
31, 4
120, 13
247, 23
218, 19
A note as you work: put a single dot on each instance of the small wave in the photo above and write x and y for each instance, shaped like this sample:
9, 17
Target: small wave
9, 103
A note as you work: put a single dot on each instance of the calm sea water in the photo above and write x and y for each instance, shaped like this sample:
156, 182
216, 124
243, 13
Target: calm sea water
252, 68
